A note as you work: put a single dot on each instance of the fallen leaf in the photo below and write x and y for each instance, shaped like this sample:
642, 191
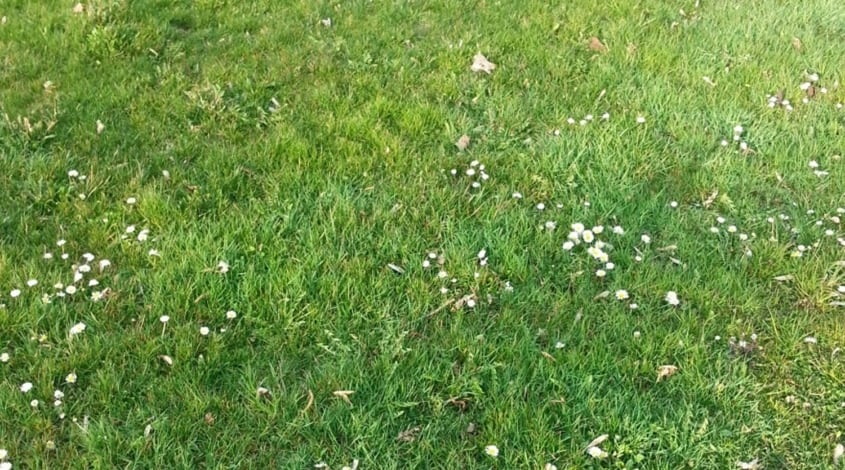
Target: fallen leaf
147, 430
167, 359
409, 435
209, 418
596, 45
784, 278
262, 392
710, 199
462, 143
344, 395
796, 44
602, 295
838, 452
811, 92
597, 441
666, 371
481, 64
752, 465
548, 356
100, 127
78, 8
395, 268
471, 428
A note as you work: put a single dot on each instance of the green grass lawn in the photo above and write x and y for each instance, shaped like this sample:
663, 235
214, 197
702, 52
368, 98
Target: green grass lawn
399, 301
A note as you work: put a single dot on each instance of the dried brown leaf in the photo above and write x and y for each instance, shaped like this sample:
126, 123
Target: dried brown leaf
409, 435
597, 441
666, 371
596, 45
481, 64
463, 142
344, 395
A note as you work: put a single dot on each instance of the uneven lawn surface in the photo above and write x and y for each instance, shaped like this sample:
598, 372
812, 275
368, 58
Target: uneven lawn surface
216, 221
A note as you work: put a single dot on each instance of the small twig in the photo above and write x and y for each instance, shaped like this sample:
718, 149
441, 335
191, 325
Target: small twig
440, 308
309, 404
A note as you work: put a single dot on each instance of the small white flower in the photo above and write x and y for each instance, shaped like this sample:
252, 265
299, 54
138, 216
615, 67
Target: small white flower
609, 266
568, 245
738, 129
93, 283
516, 195
633, 306
813, 164
154, 252
723, 143
646, 239
426, 264
164, 318
491, 450
601, 273
104, 263
71, 378
732, 229
640, 119
560, 345
540, 206
222, 267
26, 387
15, 293
204, 331
88, 257
70, 290
231, 315
598, 229
672, 298
588, 236
84, 268
482, 254
34, 403
805, 86
72, 173
605, 116
4, 357
550, 225
618, 230
77, 329
48, 255
61, 242
470, 172
714, 229
471, 303
622, 294
58, 394
673, 204
810, 340
32, 282
743, 236
550, 466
